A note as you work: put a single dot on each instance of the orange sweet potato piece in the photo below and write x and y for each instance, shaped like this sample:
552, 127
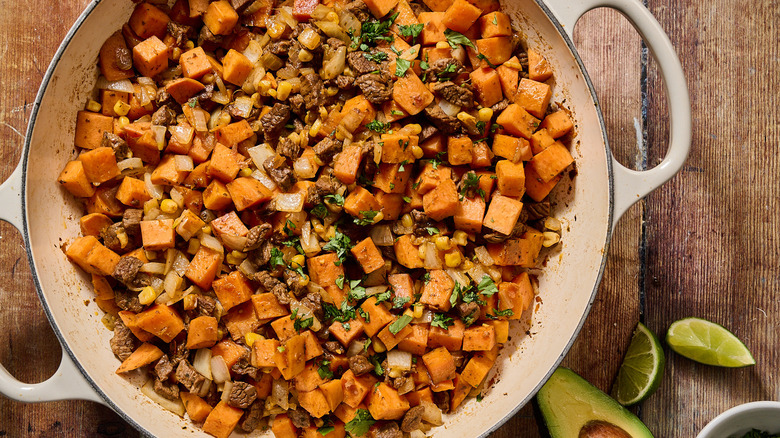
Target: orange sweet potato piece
502, 214
517, 121
240, 320
204, 266
392, 204
334, 393
283, 427
360, 200
314, 402
194, 63
482, 156
497, 50
510, 178
161, 321
220, 17
384, 403
216, 196
90, 128
380, 8
479, 337
551, 161
477, 369
537, 189
538, 67
166, 172
520, 252
347, 164
130, 320
158, 234
284, 328
143, 355
431, 177
487, 86
92, 256
450, 338
470, 213
514, 149
148, 20
442, 201
436, 292
533, 96
415, 397
355, 388
325, 269
196, 407
460, 16
263, 351
132, 192
495, 24
541, 140
391, 340
339, 331
229, 350
232, 289
417, 341
267, 306
460, 391
225, 163
517, 295
407, 253
291, 361
378, 316
309, 379
150, 57
108, 100
558, 124
222, 420
99, 164
403, 287
104, 201
368, 255
409, 92
236, 67
202, 333
397, 147
440, 364
433, 31
114, 47
74, 179
460, 149
183, 89
391, 179
247, 192
509, 76
93, 223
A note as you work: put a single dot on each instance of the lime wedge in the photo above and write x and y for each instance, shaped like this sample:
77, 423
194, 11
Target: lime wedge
708, 343
642, 368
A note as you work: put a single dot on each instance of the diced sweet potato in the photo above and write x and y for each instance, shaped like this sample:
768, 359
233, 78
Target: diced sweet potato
90, 128
222, 420
517, 295
220, 17
514, 149
356, 388
497, 50
510, 178
380, 8
232, 290
436, 292
74, 179
143, 355
410, 93
202, 333
108, 59
263, 351
538, 67
203, 267
533, 96
99, 164
283, 427
502, 214
391, 179
431, 177
509, 76
377, 316
397, 147
450, 338
551, 161
433, 31
92, 256
216, 196
183, 89
384, 403
150, 57
346, 332
368, 255
314, 402
196, 407
161, 321
109, 99
558, 123
487, 86
194, 63
442, 201
537, 189
460, 149
158, 234
479, 337
225, 163
406, 252
360, 200
148, 20
440, 364
291, 360
461, 15
347, 164
247, 192
93, 223
517, 121
521, 252
495, 24
132, 192
236, 67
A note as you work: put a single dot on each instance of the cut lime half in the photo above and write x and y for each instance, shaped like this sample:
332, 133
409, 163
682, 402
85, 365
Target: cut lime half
708, 343
642, 368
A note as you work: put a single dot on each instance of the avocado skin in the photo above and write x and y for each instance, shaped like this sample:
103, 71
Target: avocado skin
568, 402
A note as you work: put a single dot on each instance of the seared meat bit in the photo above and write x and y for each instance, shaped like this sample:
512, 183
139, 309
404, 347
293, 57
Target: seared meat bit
279, 171
361, 65
293, 280
189, 377
118, 144
128, 300
427, 132
166, 390
123, 342
178, 351
164, 116
256, 236
327, 184
459, 357
359, 9
262, 255
312, 197
335, 43
468, 311
206, 35
314, 302
163, 368
445, 69
327, 148
440, 119
242, 367
522, 57
334, 347
312, 91
421, 223
412, 419
500, 106
288, 148
344, 82
273, 122
179, 32
204, 306
127, 269
162, 97
360, 365
205, 96
495, 237
378, 87
280, 47
238, 5
273, 285
442, 400
252, 417
300, 418
460, 95
298, 104
404, 385
131, 220
388, 430
242, 395
112, 237
537, 210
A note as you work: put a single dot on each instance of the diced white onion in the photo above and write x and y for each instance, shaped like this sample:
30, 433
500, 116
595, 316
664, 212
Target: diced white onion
153, 268
374, 290
155, 191
476, 272
458, 277
233, 241
417, 433
309, 241
285, 14
289, 202
177, 197
320, 12
200, 119
211, 242
247, 268
260, 175
202, 362
159, 135
349, 21
183, 163
355, 348
253, 51
260, 153
426, 317
175, 406
172, 283
449, 108
143, 80
432, 413
242, 106
123, 85
381, 235
459, 53
399, 360
219, 369
280, 390
304, 312
157, 284
182, 134
431, 260
130, 163
483, 256
304, 168
226, 390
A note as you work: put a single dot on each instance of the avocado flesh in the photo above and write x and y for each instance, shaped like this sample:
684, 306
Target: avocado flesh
568, 402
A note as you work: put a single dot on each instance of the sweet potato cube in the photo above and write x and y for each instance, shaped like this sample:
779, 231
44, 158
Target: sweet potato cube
477, 368
558, 124
93, 223
460, 149
283, 427
150, 57
158, 234
442, 201
284, 328
143, 355
356, 388
517, 121
225, 163
220, 17
216, 196
334, 393
410, 93
431, 177
514, 149
183, 89
406, 252
436, 292
311, 345
359, 201
537, 189
450, 338
325, 269
479, 338
314, 402
541, 140
551, 161
497, 50
166, 173
347, 164
108, 58
533, 96
79, 252
433, 31
144, 146
403, 287
470, 213
440, 364
247, 192
196, 407
234, 133
202, 333
346, 332
461, 15
291, 361
510, 178
204, 266
240, 320
397, 147
232, 290
263, 351
132, 192
108, 100
148, 20
267, 306
222, 420
502, 214
521, 252
368, 255
517, 295
392, 178
90, 128
230, 351
509, 77
74, 179
194, 63
417, 341
390, 340
538, 67
236, 67
487, 86
104, 201
99, 164
378, 316
384, 403
495, 24
161, 321
380, 8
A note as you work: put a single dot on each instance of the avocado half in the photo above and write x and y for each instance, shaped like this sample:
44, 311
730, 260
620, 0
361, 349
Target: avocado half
568, 403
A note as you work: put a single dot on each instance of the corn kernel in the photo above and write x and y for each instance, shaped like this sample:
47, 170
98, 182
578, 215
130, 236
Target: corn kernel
283, 90
318, 161
230, 259
414, 128
442, 45
193, 245
331, 91
393, 373
147, 296
208, 78
124, 121
407, 221
340, 136
484, 115
315, 128
176, 53
417, 152
206, 229
297, 261
93, 106
409, 312
378, 217
550, 238
305, 55
453, 259
257, 100
460, 238
379, 347
238, 254
150, 255
272, 93
418, 311
245, 172
251, 337
324, 113
513, 64
275, 28
309, 38
421, 252
332, 16
121, 108
304, 280
442, 243
189, 45
466, 117
189, 302
264, 86
467, 264
169, 206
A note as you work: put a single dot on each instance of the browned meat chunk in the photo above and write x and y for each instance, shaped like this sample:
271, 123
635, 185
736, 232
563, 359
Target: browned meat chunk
326, 148
273, 285
206, 36
256, 236
427, 132
111, 239
298, 104
167, 390
164, 116
537, 210
179, 32
327, 184
300, 418
500, 106
334, 347
440, 119
262, 255
242, 395
388, 430
204, 306
127, 300
189, 377
445, 69
288, 148
242, 367
312, 91
412, 419
442, 400
360, 365
118, 144
127, 269
163, 368
273, 122
361, 65
252, 417
293, 280
279, 171
344, 82
360, 10
404, 385
377, 87
314, 302
421, 223
468, 311
461, 95
123, 342
131, 220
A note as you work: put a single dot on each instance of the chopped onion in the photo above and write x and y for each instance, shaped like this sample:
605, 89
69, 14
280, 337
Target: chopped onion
143, 80
183, 163
458, 277
304, 168
175, 406
432, 413
211, 242
349, 21
170, 256
153, 268
123, 85
200, 119
352, 120
247, 268
155, 191
483, 256
280, 390
285, 14
182, 134
355, 348
130, 164
226, 390
309, 241
260, 175
399, 360
289, 202
304, 312
260, 153
219, 369
374, 290
417, 433
431, 260
233, 241
204, 389
177, 196
334, 61
426, 317
172, 283
242, 106
411, 53
157, 284
202, 362
450, 109
253, 51
320, 12
460, 54
159, 135
476, 272
381, 235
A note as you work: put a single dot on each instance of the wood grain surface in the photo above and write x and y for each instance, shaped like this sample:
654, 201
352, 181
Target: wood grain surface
706, 244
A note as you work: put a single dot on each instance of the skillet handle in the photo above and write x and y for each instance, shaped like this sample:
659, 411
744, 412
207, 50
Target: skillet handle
67, 383
629, 185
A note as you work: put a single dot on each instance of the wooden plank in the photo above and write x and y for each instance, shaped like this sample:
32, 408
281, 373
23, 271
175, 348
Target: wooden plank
712, 231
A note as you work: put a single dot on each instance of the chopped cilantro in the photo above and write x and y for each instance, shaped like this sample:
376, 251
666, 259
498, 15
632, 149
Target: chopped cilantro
457, 38
426, 277
377, 126
495, 19
335, 199
398, 302
479, 397
324, 430
366, 218
480, 126
281, 348
377, 57
396, 113
441, 320
447, 72
373, 31
485, 58
320, 210
377, 361
363, 314
366, 345
324, 370
412, 30
455, 294
499, 313
415, 185
403, 163
340, 281
294, 314
384, 296
356, 292
302, 324
341, 244
277, 258
333, 313
486, 286
407, 199
401, 66
360, 423
471, 186
424, 65
398, 325
432, 230
346, 326
192, 102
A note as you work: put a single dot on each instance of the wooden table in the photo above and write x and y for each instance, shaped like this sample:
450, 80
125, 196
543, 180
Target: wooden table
706, 244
